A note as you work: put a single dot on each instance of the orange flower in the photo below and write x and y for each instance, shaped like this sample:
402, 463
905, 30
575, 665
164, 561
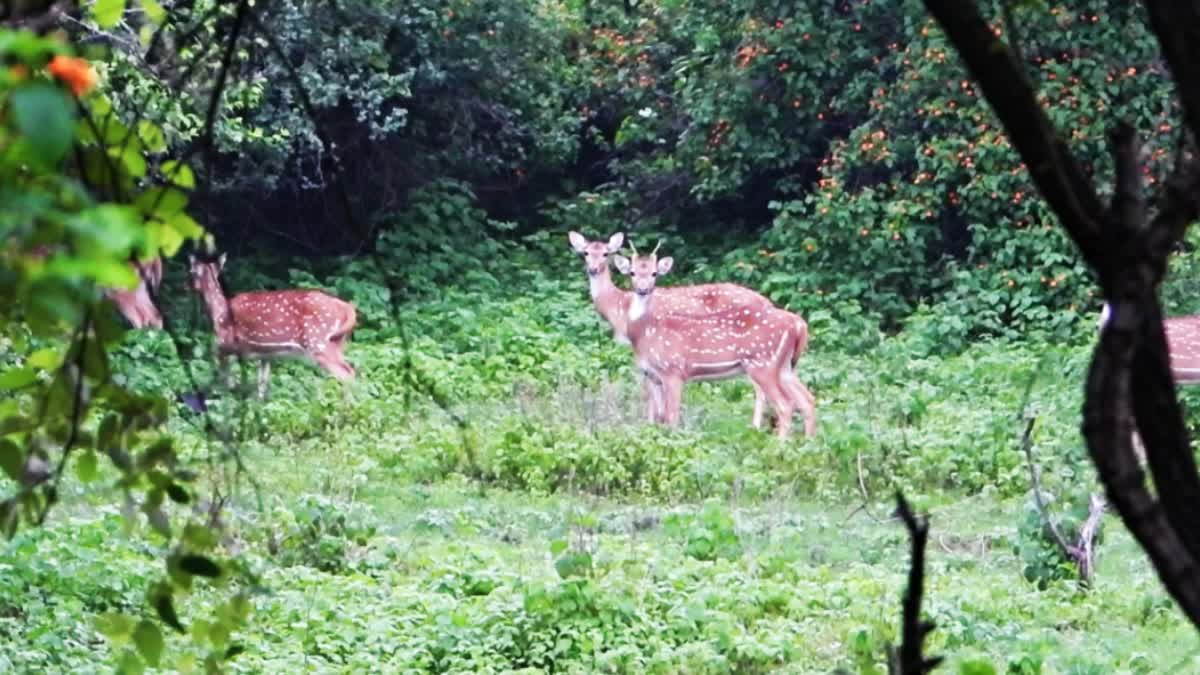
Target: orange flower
76, 73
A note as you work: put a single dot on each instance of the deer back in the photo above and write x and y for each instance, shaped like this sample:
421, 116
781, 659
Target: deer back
717, 344
1183, 343
703, 299
298, 317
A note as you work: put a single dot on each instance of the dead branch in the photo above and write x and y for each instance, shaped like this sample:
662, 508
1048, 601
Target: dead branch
910, 658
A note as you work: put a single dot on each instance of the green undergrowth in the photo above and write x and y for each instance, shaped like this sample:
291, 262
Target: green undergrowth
533, 522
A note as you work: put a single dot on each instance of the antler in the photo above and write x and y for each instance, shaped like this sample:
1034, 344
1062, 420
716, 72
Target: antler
634, 248
655, 251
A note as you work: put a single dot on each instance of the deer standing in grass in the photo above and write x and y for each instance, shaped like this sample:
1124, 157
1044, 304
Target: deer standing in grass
1183, 348
613, 305
673, 348
271, 324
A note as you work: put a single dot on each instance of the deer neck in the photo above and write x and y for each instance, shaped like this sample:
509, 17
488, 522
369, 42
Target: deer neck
638, 314
612, 303
218, 311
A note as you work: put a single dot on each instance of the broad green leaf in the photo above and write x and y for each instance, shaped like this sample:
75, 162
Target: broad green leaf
107, 13
112, 227
152, 136
178, 173
47, 358
86, 467
161, 202
154, 11
976, 667
149, 641
186, 225
12, 458
17, 378
116, 627
131, 158
45, 115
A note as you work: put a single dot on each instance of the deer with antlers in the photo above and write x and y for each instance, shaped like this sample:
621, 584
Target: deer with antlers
613, 305
268, 324
674, 348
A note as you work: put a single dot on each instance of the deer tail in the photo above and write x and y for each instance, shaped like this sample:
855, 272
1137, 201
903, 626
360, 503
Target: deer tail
801, 345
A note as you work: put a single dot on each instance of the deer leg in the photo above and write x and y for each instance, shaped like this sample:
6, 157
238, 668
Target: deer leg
801, 398
769, 380
264, 376
653, 402
672, 399
759, 404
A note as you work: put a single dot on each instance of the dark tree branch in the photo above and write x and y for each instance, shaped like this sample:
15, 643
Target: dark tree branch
1130, 370
910, 658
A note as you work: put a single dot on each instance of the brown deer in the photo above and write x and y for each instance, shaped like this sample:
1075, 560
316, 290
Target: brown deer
136, 304
672, 349
613, 305
267, 324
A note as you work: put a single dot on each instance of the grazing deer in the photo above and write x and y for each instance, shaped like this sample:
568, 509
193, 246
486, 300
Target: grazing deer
672, 349
137, 305
613, 305
265, 324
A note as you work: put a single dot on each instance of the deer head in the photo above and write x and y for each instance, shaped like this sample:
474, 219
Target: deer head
595, 253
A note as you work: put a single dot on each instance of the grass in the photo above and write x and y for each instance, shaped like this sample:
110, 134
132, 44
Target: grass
557, 532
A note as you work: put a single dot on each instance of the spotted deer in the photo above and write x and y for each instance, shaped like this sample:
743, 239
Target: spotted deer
294, 323
672, 349
612, 304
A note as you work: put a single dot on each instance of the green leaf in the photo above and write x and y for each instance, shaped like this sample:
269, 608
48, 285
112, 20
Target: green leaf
178, 173
200, 566
17, 378
161, 202
154, 11
45, 115
152, 136
116, 627
87, 467
130, 664
149, 641
132, 159
12, 458
107, 13
45, 359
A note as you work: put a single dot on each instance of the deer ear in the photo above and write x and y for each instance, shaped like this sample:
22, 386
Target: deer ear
577, 241
622, 263
615, 242
221, 262
191, 260
664, 264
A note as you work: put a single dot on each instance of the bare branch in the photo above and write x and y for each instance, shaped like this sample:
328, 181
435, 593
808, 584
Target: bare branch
910, 658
